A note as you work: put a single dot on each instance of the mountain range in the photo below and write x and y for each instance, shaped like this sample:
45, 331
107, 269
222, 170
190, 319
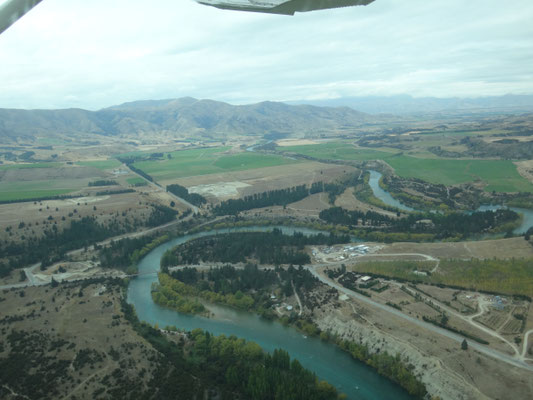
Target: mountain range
208, 119
185, 117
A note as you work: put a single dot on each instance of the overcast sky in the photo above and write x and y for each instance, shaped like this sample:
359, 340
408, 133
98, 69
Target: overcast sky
97, 53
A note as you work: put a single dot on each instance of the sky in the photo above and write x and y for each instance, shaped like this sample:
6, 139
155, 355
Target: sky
98, 53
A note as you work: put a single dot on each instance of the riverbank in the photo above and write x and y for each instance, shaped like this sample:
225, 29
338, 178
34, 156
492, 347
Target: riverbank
372, 334
355, 325
445, 377
257, 299
518, 227
328, 362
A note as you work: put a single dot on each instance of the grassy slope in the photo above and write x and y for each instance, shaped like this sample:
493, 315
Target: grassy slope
207, 161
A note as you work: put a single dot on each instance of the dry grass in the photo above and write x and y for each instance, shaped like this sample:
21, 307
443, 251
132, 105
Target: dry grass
270, 178
71, 325
498, 248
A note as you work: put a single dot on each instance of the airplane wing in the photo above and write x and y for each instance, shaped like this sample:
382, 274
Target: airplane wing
12, 10
286, 7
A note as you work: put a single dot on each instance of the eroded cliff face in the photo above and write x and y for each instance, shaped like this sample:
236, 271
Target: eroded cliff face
286, 7
448, 372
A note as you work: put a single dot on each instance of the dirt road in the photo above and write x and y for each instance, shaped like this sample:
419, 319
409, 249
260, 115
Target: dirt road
459, 339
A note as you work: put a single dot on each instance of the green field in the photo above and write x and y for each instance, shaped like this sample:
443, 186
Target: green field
135, 181
101, 164
37, 189
207, 161
338, 151
514, 276
498, 175
52, 141
34, 165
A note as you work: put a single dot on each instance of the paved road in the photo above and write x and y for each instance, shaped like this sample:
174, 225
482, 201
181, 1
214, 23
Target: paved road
469, 319
459, 339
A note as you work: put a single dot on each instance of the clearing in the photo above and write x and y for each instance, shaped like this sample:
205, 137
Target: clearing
244, 183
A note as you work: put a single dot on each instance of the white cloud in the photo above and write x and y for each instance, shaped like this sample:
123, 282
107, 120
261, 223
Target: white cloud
76, 53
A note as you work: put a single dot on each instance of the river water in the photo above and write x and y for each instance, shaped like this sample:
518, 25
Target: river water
383, 195
351, 377
386, 198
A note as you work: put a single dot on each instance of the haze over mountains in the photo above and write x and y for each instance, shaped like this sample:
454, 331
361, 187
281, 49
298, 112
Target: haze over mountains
208, 119
405, 104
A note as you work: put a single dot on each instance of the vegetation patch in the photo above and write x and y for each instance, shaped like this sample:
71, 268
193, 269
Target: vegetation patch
338, 151
35, 189
101, 164
498, 175
13, 191
103, 182
272, 248
511, 277
442, 226
239, 369
32, 165
183, 192
185, 163
126, 253
137, 181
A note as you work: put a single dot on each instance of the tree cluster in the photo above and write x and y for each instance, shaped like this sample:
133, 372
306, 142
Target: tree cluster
280, 197
122, 253
54, 244
140, 172
387, 365
233, 367
273, 248
161, 215
442, 225
103, 182
183, 192
340, 216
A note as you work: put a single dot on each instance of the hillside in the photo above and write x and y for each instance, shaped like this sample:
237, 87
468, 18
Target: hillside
179, 118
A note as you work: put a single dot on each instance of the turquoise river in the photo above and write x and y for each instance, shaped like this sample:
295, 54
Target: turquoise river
349, 376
